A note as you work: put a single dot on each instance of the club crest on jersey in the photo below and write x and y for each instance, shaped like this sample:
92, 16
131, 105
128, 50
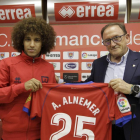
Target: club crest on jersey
44, 79
29, 98
2, 55
123, 104
70, 54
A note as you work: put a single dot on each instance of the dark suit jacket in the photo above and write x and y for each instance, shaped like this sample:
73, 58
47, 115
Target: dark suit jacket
132, 76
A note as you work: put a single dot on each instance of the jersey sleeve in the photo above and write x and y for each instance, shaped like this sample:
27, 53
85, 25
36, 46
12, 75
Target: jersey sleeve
32, 105
27, 105
122, 110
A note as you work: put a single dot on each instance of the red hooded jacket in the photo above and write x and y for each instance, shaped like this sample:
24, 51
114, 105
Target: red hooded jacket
14, 72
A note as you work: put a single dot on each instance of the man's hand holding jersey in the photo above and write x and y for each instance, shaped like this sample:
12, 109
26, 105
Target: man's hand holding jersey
120, 85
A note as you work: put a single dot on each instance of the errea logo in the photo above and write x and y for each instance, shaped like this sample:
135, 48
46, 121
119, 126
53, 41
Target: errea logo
86, 11
14, 13
66, 12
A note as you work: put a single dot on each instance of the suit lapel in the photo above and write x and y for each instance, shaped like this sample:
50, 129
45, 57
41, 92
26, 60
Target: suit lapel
131, 66
103, 68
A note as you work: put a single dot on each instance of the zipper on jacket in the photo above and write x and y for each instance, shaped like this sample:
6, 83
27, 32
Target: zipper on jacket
33, 68
33, 60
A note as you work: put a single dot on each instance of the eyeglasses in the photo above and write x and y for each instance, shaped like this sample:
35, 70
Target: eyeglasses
115, 39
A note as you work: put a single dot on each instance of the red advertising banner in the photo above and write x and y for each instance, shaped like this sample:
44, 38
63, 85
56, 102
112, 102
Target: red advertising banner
76, 11
77, 46
139, 15
14, 13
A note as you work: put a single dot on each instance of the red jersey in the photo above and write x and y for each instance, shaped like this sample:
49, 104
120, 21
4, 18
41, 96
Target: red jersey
78, 111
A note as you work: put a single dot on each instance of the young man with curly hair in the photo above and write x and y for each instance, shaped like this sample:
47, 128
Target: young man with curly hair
24, 74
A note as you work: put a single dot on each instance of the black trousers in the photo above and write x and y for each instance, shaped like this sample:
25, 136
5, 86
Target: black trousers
117, 133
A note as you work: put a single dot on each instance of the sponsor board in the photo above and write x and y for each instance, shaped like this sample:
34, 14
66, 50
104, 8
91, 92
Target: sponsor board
70, 55
70, 76
56, 65
86, 65
13, 54
103, 53
70, 66
4, 55
57, 74
84, 76
89, 55
52, 55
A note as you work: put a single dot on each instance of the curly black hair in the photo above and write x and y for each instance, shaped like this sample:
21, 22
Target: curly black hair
36, 26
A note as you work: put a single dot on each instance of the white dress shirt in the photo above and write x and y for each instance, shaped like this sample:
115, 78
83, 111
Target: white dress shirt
116, 70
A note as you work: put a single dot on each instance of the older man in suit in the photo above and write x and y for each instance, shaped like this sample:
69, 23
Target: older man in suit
121, 69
